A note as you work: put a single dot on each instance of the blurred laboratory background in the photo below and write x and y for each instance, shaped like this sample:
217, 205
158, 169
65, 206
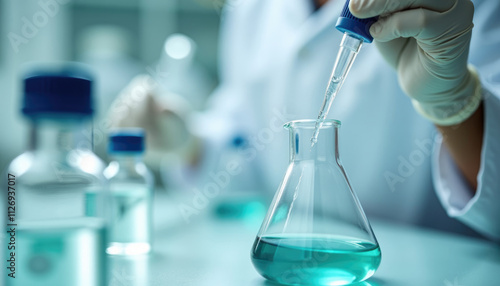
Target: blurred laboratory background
118, 39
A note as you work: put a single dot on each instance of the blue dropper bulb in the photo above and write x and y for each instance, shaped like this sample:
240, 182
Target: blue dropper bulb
353, 26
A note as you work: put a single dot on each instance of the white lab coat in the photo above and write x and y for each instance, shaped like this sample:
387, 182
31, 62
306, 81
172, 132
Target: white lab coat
276, 58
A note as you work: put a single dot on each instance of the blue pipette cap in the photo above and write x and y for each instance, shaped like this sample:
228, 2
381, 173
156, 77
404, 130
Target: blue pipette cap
127, 140
65, 90
360, 28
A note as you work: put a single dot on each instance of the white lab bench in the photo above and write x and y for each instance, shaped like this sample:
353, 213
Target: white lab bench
211, 252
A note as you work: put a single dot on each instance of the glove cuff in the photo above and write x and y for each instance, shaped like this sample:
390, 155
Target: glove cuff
459, 109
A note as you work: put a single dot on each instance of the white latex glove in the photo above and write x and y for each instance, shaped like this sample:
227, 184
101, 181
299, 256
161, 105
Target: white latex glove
427, 41
162, 116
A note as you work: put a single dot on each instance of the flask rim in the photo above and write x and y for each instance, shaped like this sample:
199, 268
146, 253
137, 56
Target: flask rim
311, 123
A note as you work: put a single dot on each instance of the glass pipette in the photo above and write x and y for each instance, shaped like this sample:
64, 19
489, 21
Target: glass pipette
349, 48
356, 31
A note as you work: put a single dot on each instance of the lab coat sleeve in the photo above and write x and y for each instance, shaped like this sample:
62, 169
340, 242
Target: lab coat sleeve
481, 211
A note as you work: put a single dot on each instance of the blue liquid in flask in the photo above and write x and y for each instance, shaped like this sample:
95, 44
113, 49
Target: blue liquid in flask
320, 260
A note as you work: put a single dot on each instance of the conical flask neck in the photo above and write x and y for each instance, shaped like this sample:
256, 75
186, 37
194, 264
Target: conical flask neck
326, 147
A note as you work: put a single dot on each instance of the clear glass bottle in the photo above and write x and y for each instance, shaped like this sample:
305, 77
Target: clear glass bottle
239, 197
131, 185
315, 231
58, 209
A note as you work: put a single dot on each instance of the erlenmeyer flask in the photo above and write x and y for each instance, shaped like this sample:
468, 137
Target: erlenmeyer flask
315, 231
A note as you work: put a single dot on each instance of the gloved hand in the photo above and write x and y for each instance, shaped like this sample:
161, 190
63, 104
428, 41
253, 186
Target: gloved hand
427, 41
162, 116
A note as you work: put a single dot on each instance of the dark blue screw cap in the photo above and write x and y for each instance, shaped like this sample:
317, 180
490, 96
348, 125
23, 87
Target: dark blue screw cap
65, 90
360, 28
127, 140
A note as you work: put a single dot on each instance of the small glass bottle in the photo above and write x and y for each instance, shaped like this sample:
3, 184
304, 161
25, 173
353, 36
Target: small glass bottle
131, 185
57, 206
238, 180
315, 232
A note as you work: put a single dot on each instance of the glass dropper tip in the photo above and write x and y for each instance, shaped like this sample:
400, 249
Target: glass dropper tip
313, 140
349, 48
317, 127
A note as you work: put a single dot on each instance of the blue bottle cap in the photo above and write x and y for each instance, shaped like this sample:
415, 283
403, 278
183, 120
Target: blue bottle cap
127, 140
66, 90
360, 28
238, 141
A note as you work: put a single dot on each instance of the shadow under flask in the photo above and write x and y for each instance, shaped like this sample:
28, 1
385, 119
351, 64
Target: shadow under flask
315, 231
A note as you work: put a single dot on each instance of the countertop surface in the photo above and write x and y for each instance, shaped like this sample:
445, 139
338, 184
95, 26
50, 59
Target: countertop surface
205, 250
